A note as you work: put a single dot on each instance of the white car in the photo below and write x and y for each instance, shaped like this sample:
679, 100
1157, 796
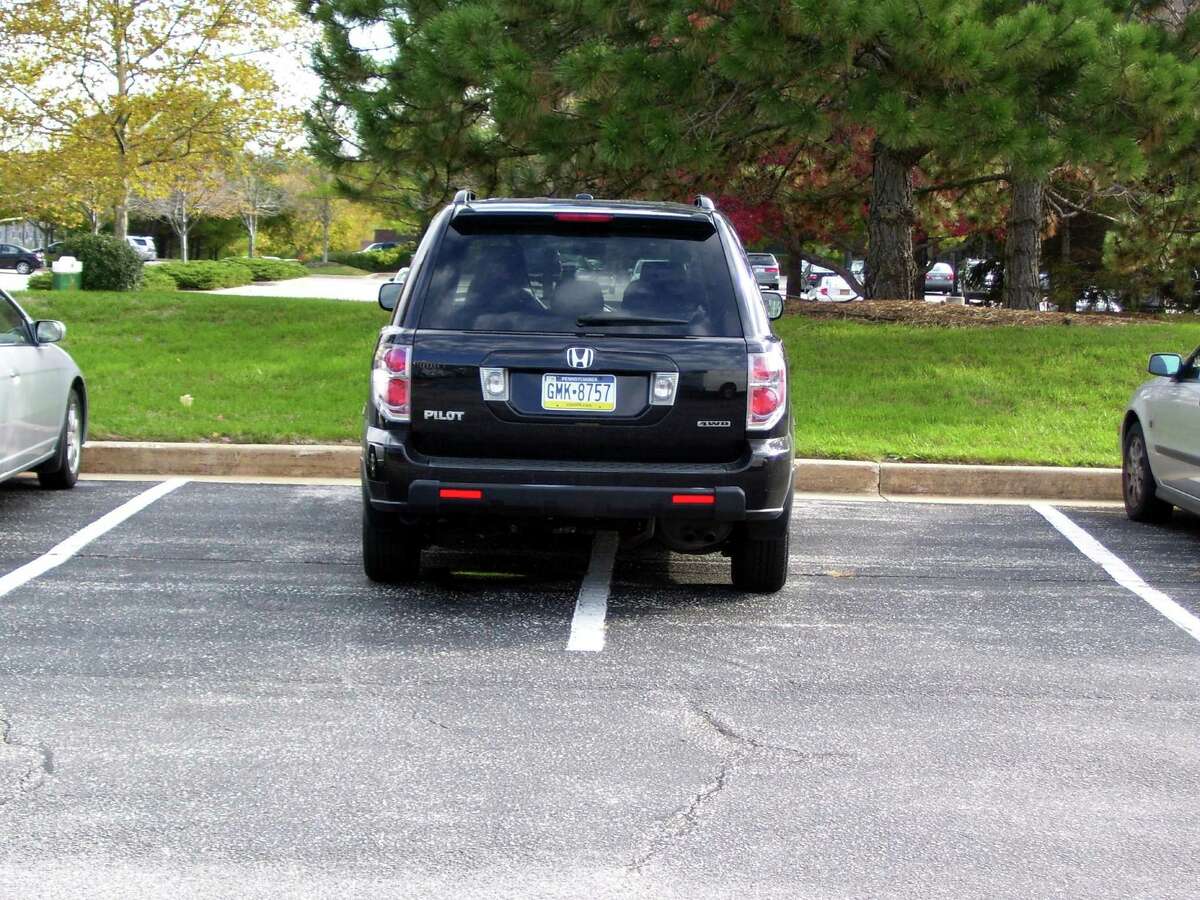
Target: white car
1160, 440
834, 289
143, 246
43, 400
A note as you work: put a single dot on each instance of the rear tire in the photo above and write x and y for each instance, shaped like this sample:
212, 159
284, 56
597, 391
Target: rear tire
1142, 503
391, 549
759, 555
62, 470
760, 567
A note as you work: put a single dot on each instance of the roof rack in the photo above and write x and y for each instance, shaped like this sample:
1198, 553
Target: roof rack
704, 202
466, 195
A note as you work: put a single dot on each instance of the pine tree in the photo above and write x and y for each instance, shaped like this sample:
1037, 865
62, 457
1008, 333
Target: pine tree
552, 97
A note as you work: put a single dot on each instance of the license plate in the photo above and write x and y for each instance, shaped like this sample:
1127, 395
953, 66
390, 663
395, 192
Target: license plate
590, 393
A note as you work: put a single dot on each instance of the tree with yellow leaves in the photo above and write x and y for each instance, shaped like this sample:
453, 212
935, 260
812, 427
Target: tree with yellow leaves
138, 89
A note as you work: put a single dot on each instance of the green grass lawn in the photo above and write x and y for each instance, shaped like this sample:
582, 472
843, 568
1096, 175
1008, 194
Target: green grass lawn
271, 370
258, 369
1050, 395
334, 269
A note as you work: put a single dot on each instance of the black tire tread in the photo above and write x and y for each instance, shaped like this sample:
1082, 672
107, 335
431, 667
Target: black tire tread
760, 566
1153, 509
55, 474
391, 551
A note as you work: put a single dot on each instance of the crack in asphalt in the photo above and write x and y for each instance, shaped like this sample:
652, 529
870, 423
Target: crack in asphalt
687, 817
41, 762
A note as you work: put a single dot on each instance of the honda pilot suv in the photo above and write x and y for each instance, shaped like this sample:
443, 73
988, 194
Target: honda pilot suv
579, 364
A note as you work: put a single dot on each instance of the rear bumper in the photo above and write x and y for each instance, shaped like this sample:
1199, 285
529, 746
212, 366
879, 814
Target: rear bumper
754, 488
425, 498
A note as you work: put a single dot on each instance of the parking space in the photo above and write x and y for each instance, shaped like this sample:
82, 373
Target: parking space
946, 700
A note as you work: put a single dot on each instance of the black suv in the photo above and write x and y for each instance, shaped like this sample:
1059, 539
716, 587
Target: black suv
579, 364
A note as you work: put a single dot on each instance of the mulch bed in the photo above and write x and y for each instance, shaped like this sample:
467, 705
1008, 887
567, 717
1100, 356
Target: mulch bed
920, 312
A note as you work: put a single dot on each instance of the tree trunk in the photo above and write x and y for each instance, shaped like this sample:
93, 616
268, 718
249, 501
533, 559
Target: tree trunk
121, 219
891, 271
326, 216
1023, 246
251, 231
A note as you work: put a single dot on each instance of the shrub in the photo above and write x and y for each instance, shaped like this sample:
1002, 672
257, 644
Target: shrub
206, 275
377, 260
40, 282
155, 279
270, 269
109, 264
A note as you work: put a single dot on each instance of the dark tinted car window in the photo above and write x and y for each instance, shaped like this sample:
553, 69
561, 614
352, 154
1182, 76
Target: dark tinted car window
542, 275
762, 259
12, 325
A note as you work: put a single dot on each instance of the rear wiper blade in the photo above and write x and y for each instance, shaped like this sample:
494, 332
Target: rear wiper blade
627, 320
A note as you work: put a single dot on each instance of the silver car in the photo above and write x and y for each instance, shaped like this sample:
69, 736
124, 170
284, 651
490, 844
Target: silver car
1160, 440
766, 270
43, 400
143, 246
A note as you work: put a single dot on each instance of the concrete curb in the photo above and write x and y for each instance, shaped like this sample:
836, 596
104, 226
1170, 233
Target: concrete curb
262, 460
818, 476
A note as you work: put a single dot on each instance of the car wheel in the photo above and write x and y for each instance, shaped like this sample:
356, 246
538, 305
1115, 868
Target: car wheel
62, 471
760, 566
1142, 503
391, 549
759, 555
23, 268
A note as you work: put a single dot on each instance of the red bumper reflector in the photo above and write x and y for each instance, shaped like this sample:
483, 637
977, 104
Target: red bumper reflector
459, 494
693, 499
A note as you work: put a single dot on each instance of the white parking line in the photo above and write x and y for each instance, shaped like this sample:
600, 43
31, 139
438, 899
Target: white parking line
60, 553
587, 627
1120, 572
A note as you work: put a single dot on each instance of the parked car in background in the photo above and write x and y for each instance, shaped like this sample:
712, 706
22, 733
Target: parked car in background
49, 253
939, 279
1160, 440
506, 395
812, 278
766, 270
143, 246
380, 245
834, 289
1096, 300
18, 258
43, 401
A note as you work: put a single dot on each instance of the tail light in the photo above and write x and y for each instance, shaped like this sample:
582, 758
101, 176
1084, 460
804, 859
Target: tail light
772, 270
825, 291
767, 390
391, 381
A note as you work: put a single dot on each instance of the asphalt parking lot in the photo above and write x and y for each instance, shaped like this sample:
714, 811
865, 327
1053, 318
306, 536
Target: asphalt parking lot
946, 700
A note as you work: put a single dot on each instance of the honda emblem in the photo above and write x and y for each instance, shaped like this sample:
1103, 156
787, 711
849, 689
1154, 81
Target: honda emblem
580, 357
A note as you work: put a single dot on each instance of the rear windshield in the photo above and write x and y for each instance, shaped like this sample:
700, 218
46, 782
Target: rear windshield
762, 259
628, 276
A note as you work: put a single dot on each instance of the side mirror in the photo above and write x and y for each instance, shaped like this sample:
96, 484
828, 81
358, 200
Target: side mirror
773, 301
389, 294
1165, 365
48, 331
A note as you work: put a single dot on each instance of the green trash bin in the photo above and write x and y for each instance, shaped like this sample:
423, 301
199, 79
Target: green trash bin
66, 274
